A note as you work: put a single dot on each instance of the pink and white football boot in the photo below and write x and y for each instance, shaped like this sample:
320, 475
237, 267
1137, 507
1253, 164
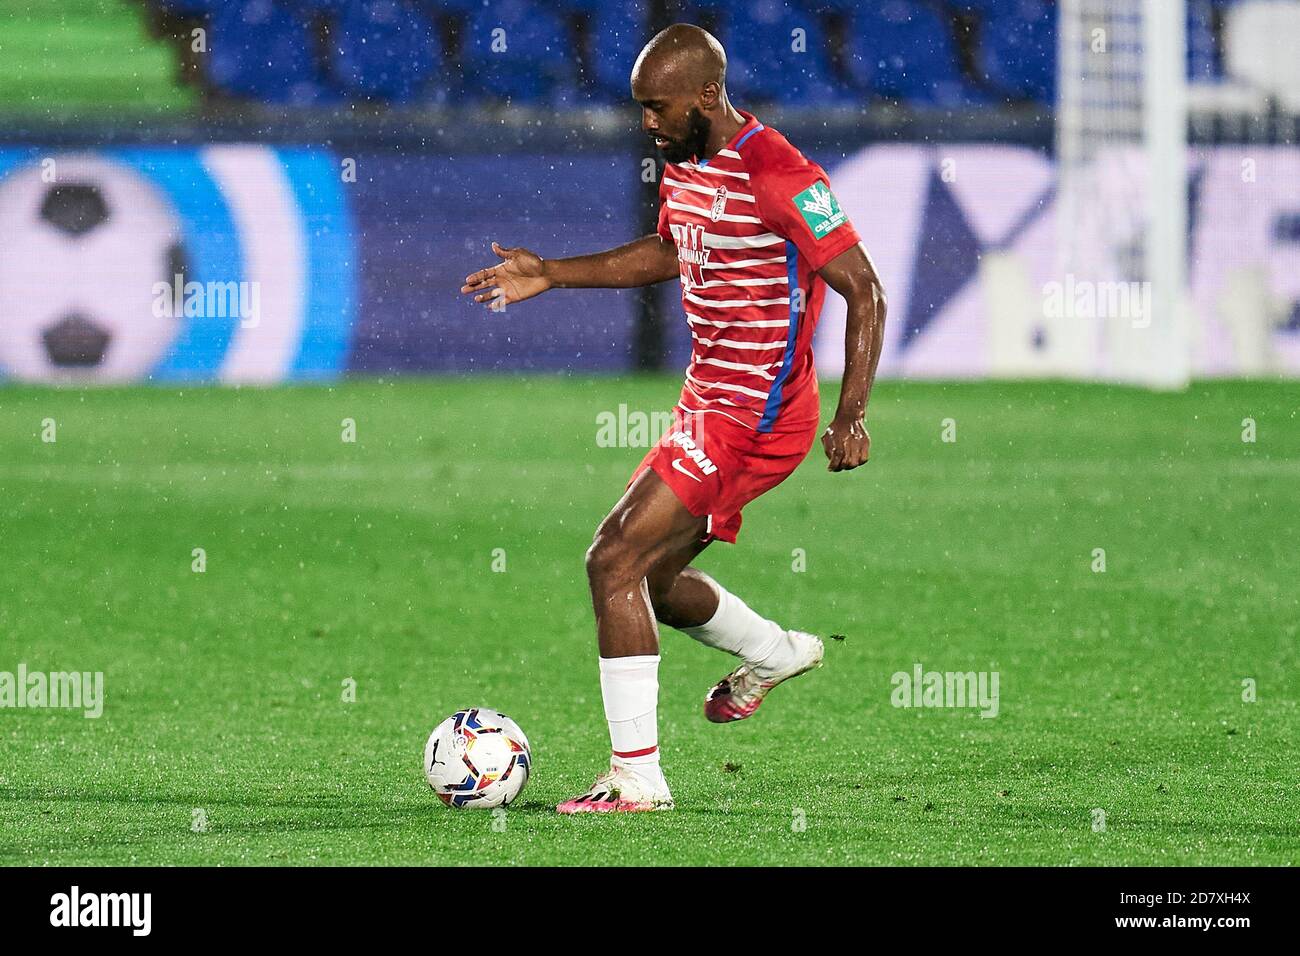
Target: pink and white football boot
738, 695
619, 790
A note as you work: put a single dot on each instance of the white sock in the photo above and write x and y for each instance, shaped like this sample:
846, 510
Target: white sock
736, 629
630, 688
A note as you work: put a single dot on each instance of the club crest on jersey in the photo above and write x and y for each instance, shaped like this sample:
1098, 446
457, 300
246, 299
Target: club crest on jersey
719, 203
692, 254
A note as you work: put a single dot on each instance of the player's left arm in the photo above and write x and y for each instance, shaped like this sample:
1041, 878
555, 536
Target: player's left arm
794, 200
853, 275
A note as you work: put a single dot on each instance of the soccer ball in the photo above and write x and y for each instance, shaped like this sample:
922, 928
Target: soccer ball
86, 240
477, 758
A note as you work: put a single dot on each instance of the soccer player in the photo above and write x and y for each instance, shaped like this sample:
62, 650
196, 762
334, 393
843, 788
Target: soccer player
752, 231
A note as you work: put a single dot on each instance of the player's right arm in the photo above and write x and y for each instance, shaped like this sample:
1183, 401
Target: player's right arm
522, 274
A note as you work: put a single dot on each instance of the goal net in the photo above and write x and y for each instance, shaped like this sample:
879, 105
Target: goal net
1179, 188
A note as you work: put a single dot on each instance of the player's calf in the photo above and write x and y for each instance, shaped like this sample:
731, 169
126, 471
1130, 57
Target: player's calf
683, 597
771, 654
739, 694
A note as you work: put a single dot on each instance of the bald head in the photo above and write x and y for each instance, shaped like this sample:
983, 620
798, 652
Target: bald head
682, 56
680, 82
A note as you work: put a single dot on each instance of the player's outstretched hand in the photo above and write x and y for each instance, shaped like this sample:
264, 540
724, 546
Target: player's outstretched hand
520, 275
847, 444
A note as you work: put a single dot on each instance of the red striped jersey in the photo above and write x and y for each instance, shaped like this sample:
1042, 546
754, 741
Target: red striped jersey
752, 226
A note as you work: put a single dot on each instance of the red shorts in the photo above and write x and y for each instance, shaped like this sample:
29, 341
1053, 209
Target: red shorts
716, 466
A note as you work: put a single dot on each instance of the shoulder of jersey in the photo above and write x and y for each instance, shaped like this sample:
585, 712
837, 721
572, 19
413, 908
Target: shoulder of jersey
767, 151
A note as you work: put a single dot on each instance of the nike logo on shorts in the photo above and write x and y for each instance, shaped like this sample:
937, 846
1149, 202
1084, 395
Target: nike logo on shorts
679, 464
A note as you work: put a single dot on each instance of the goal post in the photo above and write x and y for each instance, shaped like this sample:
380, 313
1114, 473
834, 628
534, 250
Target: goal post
1122, 221
1165, 141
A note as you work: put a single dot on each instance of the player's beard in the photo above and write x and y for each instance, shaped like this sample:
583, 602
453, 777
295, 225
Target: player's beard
698, 127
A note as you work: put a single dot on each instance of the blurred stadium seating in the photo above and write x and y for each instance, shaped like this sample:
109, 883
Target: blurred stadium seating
922, 54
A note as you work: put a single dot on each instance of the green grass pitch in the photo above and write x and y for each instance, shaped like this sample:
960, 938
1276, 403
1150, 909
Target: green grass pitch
372, 561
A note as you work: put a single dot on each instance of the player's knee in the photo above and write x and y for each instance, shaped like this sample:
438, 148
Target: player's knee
605, 558
612, 561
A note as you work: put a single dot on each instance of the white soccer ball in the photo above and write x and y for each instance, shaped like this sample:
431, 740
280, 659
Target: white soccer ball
477, 758
86, 241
